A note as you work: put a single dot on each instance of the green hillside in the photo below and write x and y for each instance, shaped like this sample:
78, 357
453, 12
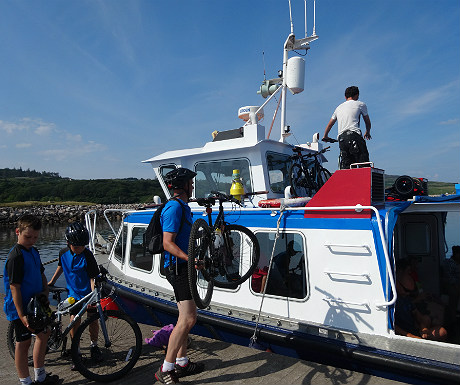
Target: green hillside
20, 186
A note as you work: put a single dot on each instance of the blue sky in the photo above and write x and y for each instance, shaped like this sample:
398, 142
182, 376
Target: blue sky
89, 89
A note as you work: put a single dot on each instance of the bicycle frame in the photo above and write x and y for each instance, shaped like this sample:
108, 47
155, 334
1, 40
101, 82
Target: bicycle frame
94, 296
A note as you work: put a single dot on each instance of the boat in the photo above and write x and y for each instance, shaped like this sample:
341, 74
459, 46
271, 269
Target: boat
336, 305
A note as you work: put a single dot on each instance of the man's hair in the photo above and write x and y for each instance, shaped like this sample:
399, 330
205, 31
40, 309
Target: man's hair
29, 220
351, 92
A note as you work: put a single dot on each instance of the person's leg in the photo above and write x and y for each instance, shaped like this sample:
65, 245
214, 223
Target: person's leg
41, 341
344, 145
177, 346
75, 326
21, 354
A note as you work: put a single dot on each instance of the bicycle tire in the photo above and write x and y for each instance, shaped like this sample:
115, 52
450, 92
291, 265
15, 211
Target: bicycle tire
243, 258
200, 283
117, 359
322, 177
299, 181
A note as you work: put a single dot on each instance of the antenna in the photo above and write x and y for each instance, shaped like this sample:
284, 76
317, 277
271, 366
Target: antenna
290, 17
305, 3
263, 59
314, 18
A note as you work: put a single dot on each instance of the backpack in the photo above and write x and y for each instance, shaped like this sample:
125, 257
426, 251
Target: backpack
153, 236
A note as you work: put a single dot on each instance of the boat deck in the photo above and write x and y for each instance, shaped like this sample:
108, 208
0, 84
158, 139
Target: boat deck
225, 363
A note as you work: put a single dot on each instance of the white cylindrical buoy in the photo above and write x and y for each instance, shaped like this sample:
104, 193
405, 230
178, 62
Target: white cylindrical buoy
295, 77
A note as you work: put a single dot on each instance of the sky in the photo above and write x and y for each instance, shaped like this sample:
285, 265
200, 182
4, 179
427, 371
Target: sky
89, 89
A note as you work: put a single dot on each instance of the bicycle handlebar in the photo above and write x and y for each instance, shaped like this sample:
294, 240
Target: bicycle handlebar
329, 140
310, 154
211, 200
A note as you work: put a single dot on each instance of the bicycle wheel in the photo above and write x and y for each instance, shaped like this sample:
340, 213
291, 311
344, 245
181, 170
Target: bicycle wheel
299, 181
322, 176
239, 254
200, 283
117, 359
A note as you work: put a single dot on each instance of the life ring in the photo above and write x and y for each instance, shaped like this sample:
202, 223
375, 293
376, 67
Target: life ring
277, 202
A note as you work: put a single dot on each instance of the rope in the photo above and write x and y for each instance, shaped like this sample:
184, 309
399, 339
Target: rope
254, 336
44, 264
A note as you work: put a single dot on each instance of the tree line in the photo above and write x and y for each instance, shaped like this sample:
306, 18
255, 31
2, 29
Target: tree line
44, 186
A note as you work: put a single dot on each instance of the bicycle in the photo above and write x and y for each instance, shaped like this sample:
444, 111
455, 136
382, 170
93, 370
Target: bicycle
306, 173
220, 254
119, 337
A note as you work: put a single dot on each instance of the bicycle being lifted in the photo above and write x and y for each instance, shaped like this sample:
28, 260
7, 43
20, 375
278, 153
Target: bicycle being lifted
306, 174
226, 254
119, 339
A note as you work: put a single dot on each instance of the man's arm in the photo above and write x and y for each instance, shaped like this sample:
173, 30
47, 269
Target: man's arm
328, 128
17, 299
169, 244
367, 120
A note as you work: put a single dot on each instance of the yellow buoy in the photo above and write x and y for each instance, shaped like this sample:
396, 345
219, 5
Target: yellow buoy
237, 189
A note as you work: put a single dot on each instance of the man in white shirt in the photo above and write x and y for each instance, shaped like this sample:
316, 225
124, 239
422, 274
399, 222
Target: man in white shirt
352, 146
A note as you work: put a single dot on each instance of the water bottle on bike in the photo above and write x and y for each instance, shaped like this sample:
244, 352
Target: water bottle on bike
66, 303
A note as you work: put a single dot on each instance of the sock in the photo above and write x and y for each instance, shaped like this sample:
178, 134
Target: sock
167, 366
25, 381
40, 374
182, 361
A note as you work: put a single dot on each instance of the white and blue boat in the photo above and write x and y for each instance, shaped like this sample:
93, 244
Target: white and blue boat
337, 302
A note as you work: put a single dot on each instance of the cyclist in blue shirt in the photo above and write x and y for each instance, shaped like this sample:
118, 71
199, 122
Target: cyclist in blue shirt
24, 278
80, 268
176, 222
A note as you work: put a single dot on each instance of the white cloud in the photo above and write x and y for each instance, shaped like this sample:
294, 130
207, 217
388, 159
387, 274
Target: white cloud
23, 145
38, 126
449, 122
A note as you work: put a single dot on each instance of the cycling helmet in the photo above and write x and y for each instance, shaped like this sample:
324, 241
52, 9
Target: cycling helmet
39, 314
177, 178
76, 234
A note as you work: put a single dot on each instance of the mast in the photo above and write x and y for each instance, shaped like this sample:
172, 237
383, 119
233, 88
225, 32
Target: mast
292, 44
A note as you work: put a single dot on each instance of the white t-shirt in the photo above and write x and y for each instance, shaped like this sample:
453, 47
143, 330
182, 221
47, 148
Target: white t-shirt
348, 115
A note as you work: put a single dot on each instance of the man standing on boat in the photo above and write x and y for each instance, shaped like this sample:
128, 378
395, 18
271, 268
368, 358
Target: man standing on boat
352, 146
176, 222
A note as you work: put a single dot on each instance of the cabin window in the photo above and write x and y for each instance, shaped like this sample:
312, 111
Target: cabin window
278, 171
165, 169
139, 256
217, 176
120, 245
288, 274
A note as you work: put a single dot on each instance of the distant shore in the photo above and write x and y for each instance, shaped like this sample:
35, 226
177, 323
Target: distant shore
57, 213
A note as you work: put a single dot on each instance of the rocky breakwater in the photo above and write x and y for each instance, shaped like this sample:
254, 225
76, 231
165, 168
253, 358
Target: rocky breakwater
61, 213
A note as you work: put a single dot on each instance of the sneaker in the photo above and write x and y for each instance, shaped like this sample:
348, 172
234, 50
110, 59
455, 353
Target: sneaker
167, 377
189, 369
96, 354
50, 380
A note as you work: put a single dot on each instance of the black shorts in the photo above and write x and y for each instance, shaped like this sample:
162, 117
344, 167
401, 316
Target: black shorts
179, 282
20, 331
353, 149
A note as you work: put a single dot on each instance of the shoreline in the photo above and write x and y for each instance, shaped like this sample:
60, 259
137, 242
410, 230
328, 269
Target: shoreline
57, 213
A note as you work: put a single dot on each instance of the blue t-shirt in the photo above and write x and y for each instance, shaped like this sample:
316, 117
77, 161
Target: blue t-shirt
170, 220
78, 270
24, 267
